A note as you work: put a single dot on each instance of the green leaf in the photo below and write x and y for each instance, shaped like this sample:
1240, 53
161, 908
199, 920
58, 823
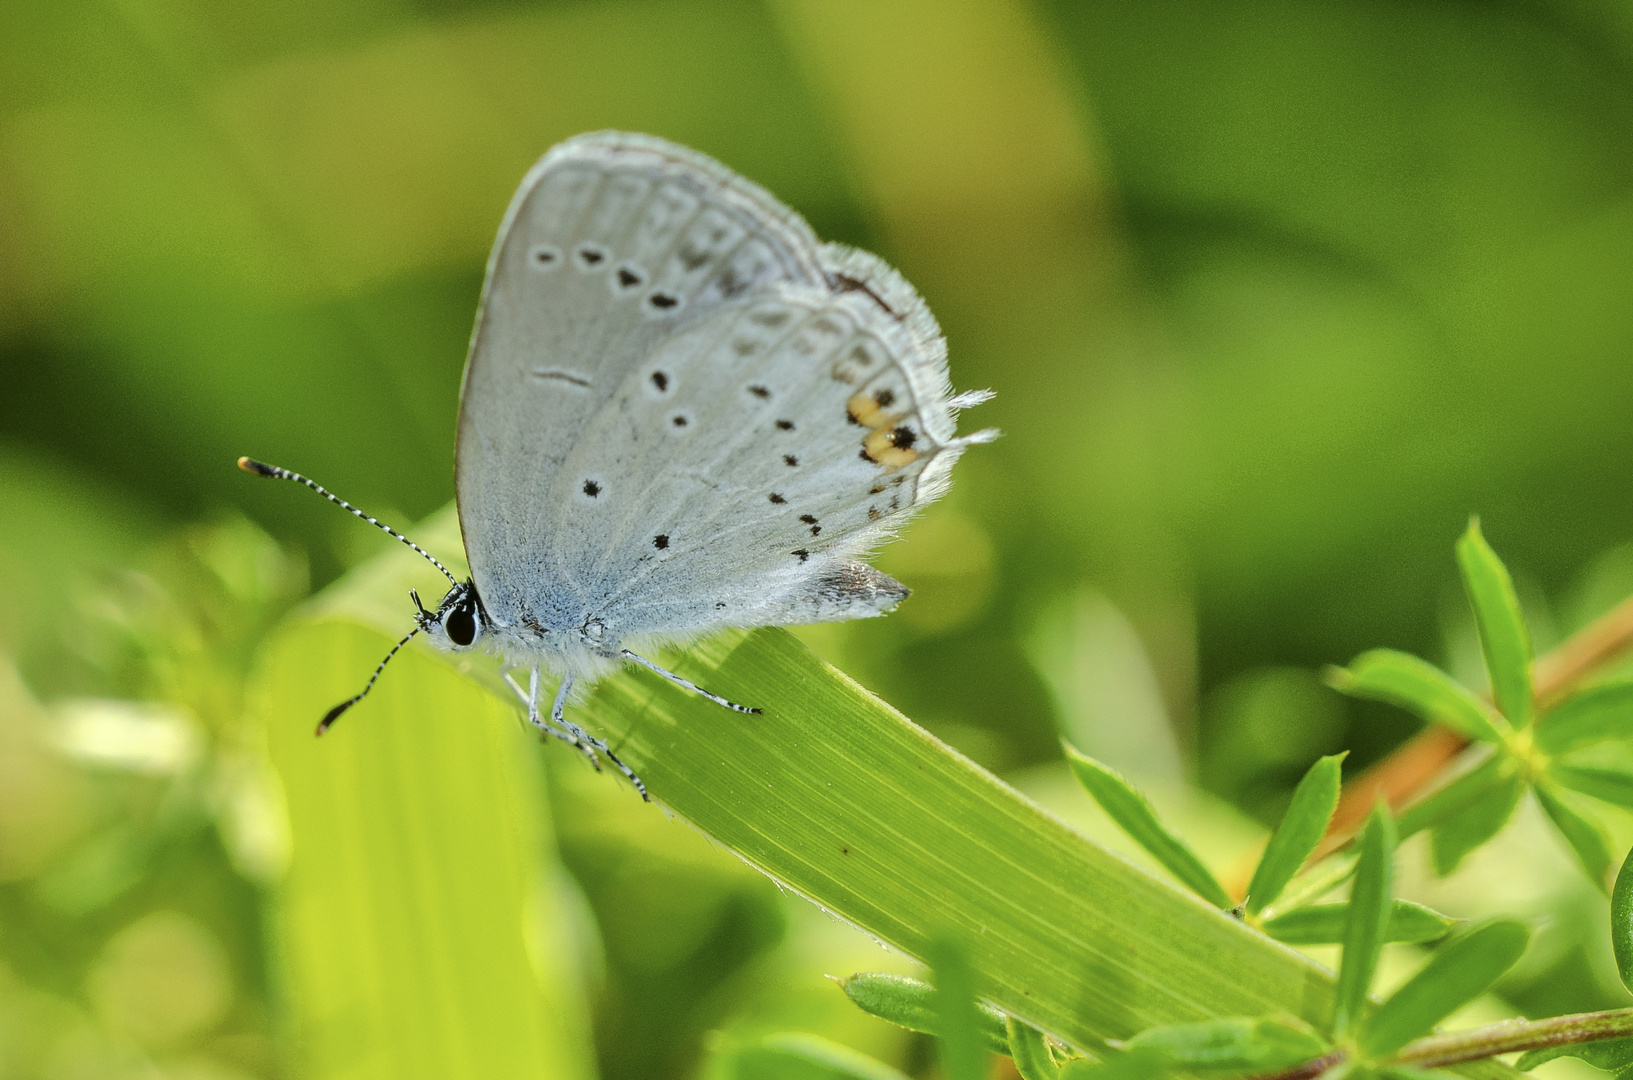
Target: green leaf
1237, 1045
1595, 715
1611, 1055
958, 1022
1503, 635
1463, 792
1300, 831
830, 791
1369, 908
802, 1057
911, 1003
1585, 835
1122, 1066
420, 836
1323, 924
1031, 1052
1417, 686
1456, 974
1609, 785
1134, 814
1474, 823
1621, 922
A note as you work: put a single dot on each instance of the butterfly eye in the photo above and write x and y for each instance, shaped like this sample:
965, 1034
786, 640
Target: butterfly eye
461, 624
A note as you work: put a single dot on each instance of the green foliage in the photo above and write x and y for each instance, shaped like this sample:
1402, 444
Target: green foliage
1300, 831
1473, 808
1234, 1046
1030, 1051
911, 1003
1504, 638
1324, 924
800, 1057
1456, 974
958, 1022
1133, 812
1621, 922
1366, 924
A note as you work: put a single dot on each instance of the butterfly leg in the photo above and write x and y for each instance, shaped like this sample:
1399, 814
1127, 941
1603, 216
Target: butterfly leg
567, 733
558, 718
687, 684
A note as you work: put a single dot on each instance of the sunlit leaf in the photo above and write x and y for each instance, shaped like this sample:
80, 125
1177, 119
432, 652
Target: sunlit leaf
1238, 1045
1298, 834
1323, 924
1595, 715
1621, 921
1611, 1055
911, 1003
1133, 813
1369, 909
1610, 785
958, 1022
1419, 687
1504, 638
802, 1057
1586, 836
1477, 821
1456, 974
1406, 1072
1031, 1053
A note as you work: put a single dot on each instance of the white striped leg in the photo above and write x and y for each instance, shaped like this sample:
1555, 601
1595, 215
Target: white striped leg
567, 734
688, 684
558, 717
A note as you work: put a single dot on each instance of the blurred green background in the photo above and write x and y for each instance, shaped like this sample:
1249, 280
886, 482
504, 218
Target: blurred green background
1273, 296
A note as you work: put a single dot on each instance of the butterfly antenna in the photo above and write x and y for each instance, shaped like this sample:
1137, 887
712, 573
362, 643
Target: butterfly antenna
261, 468
334, 714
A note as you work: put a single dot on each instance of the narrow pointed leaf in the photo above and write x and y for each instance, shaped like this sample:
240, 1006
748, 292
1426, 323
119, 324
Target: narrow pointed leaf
1452, 799
1585, 835
1595, 715
803, 1057
1419, 687
1369, 909
1407, 1072
958, 1020
1298, 834
1134, 814
1475, 823
1455, 975
1611, 1055
911, 1003
1503, 635
1610, 785
1237, 1045
1031, 1053
1621, 921
1323, 924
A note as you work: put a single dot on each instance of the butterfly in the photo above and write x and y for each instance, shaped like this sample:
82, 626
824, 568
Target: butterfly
681, 412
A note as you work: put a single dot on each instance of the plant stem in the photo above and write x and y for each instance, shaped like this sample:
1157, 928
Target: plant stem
1415, 764
1436, 1051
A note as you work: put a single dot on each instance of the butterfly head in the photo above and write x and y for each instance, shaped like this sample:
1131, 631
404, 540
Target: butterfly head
458, 622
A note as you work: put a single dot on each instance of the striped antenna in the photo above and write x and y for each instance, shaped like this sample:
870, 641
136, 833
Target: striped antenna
334, 714
261, 468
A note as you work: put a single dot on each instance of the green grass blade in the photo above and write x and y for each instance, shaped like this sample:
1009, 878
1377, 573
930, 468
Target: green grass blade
1596, 714
1031, 1053
1456, 974
1369, 908
1503, 635
1323, 924
1133, 813
1584, 834
412, 923
1609, 785
1300, 831
1419, 687
958, 1024
1621, 921
911, 1003
837, 796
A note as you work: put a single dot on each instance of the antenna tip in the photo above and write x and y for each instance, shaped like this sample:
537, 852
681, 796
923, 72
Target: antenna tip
332, 715
259, 468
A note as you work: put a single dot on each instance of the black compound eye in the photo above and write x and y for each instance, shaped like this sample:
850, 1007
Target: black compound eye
461, 624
